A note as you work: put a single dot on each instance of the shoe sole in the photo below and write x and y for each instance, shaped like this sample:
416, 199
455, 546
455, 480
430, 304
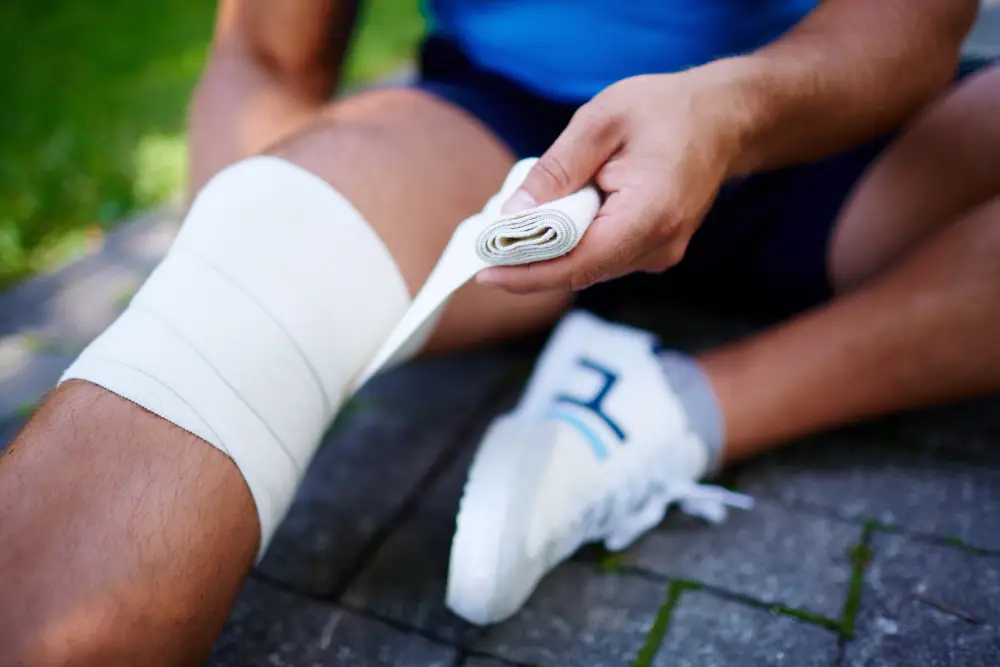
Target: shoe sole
490, 576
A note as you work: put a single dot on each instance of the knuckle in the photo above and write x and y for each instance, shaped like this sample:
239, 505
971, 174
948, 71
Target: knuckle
620, 88
668, 259
589, 116
613, 128
671, 220
550, 168
582, 279
675, 254
665, 230
598, 120
520, 287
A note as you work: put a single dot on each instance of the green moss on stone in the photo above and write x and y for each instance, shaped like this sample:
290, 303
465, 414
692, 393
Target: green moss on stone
654, 640
860, 556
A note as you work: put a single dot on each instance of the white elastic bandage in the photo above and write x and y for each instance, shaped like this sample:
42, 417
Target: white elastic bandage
489, 239
274, 296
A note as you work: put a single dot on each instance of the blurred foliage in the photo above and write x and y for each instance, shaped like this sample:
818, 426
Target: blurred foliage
94, 101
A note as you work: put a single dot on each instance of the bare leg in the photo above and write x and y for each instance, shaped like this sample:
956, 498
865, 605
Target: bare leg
123, 539
927, 332
926, 223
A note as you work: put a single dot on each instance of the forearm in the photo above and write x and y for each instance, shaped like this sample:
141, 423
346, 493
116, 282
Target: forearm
269, 72
852, 69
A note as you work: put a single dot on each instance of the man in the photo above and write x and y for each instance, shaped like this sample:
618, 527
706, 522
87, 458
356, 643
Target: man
827, 162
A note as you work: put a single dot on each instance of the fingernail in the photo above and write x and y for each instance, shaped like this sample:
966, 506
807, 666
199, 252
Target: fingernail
519, 201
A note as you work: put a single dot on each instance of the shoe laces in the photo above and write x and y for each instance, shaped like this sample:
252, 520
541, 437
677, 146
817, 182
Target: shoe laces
636, 498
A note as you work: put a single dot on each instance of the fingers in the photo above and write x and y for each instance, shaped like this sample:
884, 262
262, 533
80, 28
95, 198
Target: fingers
591, 137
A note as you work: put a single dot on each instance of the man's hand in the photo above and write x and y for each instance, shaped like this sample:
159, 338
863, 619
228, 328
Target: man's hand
659, 146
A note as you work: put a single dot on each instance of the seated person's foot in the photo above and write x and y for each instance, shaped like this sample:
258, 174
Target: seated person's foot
603, 441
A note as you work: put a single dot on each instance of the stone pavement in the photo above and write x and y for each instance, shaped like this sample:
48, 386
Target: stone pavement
876, 545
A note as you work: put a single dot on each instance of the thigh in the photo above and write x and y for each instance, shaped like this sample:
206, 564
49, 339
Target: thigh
943, 164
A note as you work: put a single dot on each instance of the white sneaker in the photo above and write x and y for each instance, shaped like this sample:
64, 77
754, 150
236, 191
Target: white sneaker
597, 449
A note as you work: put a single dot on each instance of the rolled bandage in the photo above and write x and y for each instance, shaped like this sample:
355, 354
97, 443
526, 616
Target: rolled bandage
489, 239
274, 296
532, 236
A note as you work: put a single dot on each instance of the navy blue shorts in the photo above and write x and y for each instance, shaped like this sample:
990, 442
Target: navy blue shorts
763, 245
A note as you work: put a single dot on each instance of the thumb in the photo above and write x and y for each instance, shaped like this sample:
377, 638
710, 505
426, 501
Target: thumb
572, 161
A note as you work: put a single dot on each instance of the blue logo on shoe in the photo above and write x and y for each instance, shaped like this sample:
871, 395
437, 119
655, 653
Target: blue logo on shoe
595, 406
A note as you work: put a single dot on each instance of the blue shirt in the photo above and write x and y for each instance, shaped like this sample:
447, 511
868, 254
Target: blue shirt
568, 50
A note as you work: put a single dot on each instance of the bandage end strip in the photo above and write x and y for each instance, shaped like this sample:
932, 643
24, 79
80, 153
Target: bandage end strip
536, 235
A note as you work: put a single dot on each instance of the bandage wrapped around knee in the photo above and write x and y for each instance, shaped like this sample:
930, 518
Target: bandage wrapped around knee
274, 295
277, 300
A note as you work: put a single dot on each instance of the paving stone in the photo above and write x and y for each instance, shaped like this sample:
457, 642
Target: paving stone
925, 604
446, 382
967, 431
46, 321
706, 631
361, 477
579, 617
271, 628
69, 307
405, 581
858, 476
82, 310
443, 499
769, 553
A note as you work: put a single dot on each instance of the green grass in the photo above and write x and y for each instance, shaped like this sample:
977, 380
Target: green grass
94, 102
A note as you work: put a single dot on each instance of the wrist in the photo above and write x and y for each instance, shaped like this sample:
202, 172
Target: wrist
742, 95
